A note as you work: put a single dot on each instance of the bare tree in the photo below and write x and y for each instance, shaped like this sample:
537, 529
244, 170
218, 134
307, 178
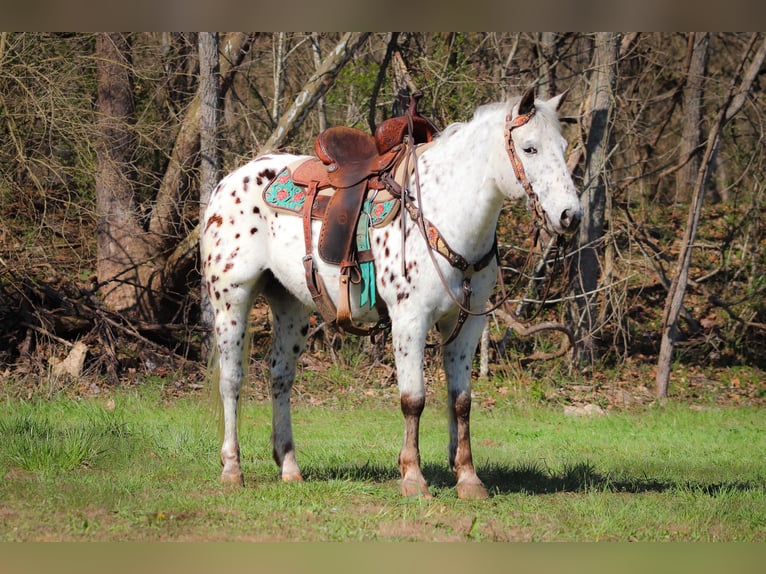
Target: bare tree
53, 142
733, 103
210, 155
594, 196
280, 60
547, 48
136, 266
691, 135
123, 251
316, 52
314, 88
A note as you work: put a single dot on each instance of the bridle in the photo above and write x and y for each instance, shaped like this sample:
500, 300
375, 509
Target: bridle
511, 124
434, 241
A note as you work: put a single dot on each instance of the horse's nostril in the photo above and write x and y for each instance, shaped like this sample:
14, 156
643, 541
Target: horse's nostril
569, 219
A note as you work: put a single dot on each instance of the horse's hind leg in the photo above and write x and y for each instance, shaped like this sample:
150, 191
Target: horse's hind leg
457, 358
291, 325
232, 306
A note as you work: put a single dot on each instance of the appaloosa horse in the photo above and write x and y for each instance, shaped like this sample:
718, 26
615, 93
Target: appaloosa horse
511, 150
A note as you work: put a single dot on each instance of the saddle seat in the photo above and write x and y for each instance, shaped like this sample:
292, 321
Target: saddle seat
350, 155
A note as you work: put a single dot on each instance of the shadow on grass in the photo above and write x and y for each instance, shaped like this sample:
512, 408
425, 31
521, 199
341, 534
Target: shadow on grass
580, 477
532, 479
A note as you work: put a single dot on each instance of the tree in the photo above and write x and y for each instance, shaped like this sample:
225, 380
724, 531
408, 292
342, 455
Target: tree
733, 103
57, 148
137, 266
124, 250
691, 135
210, 155
314, 88
594, 196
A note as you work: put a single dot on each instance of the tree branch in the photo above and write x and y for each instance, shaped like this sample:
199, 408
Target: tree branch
316, 86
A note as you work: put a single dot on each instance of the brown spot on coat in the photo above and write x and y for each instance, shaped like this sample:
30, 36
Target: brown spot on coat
268, 173
217, 219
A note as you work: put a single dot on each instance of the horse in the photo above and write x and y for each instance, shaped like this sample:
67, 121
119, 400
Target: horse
509, 150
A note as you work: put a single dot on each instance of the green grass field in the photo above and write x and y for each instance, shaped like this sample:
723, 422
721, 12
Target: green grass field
147, 469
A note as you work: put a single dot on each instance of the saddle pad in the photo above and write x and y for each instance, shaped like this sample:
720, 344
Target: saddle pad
286, 196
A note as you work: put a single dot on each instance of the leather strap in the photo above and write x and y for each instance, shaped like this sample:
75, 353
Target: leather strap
340, 316
314, 281
511, 124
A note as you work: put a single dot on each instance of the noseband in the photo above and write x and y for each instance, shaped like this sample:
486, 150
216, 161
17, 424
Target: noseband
511, 124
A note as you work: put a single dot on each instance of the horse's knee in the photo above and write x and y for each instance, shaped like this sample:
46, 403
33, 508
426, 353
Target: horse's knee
412, 404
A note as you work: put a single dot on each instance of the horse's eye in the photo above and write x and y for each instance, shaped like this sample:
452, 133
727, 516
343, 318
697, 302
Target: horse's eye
530, 150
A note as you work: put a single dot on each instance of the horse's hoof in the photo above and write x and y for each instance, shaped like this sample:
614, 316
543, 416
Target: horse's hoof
233, 479
412, 488
295, 476
471, 491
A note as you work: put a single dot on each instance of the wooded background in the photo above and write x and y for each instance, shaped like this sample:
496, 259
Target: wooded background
110, 143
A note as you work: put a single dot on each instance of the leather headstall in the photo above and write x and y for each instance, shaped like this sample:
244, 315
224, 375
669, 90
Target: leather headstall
511, 124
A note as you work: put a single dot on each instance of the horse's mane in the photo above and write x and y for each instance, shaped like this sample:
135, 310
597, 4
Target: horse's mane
544, 111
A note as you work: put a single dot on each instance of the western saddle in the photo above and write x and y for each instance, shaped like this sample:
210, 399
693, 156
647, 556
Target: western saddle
353, 162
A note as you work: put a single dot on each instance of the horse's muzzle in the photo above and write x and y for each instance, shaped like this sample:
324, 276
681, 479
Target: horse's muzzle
570, 220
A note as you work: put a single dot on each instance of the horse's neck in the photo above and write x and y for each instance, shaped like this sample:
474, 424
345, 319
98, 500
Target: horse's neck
461, 197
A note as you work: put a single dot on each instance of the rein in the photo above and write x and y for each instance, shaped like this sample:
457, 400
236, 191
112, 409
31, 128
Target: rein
435, 242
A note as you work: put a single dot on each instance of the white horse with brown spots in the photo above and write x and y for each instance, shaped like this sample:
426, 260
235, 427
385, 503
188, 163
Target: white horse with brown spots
512, 150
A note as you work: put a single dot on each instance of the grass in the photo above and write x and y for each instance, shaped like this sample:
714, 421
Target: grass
148, 470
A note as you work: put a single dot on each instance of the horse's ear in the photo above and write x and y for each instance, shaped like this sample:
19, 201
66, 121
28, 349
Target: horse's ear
527, 102
557, 101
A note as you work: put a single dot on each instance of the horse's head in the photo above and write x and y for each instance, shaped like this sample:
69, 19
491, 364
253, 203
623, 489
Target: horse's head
536, 148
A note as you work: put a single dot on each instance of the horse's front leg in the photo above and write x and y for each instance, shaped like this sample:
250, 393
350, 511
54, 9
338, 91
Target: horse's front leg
458, 357
408, 347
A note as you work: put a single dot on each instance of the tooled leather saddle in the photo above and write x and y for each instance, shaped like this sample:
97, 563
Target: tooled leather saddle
353, 162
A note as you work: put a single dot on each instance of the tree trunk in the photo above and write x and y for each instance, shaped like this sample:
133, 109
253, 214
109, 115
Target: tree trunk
185, 152
123, 254
280, 57
173, 268
210, 164
733, 102
691, 135
134, 265
186, 250
591, 232
547, 58
233, 47
316, 52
